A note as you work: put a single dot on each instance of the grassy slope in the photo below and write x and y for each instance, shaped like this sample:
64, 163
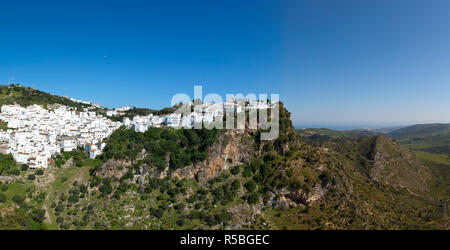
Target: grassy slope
347, 134
26, 96
63, 179
437, 158
431, 138
16, 188
431, 144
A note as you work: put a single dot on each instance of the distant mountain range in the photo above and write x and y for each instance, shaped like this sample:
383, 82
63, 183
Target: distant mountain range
431, 138
421, 130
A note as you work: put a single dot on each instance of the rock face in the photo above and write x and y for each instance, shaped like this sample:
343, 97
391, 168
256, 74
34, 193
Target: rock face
299, 197
113, 168
317, 192
188, 172
232, 148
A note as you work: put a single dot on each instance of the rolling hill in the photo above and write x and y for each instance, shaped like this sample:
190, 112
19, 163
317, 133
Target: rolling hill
25, 96
430, 138
421, 130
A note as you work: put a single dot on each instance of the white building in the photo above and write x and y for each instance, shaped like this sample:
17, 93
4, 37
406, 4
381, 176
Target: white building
68, 143
173, 120
126, 122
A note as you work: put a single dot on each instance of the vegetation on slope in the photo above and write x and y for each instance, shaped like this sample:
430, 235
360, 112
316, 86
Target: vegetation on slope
431, 144
183, 147
8, 166
25, 96
420, 130
358, 199
430, 138
321, 135
342, 183
142, 112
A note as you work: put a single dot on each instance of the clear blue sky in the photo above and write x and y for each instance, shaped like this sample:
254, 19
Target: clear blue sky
332, 62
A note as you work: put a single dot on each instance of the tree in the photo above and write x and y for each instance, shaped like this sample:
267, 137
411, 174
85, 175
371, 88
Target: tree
24, 167
250, 186
105, 189
2, 198
38, 215
180, 222
17, 198
15, 172
59, 208
39, 172
235, 170
60, 220
235, 185
253, 198
193, 138
83, 188
31, 177
247, 171
157, 212
73, 198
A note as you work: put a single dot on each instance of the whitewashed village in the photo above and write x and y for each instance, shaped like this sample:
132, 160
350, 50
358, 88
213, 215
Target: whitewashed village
35, 134
206, 113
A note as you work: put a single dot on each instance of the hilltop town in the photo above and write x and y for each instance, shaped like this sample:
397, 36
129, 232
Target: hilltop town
34, 134
203, 113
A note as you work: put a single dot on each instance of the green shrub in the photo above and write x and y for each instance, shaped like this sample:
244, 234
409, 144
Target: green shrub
253, 198
250, 186
17, 198
2, 198
235, 170
60, 220
59, 208
73, 198
235, 185
15, 172
24, 167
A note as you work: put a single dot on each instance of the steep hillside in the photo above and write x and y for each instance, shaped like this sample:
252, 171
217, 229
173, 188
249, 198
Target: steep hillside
390, 163
372, 183
230, 179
